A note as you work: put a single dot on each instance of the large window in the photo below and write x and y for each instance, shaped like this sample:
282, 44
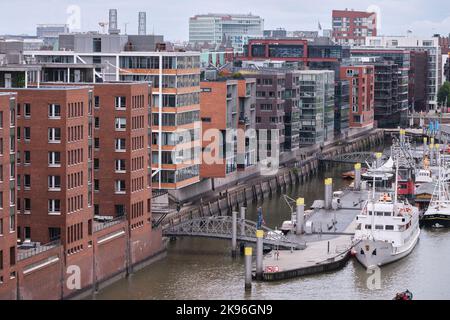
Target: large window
286, 51
97, 45
54, 206
54, 135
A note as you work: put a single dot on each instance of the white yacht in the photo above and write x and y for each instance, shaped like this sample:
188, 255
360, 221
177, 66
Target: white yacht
438, 212
387, 230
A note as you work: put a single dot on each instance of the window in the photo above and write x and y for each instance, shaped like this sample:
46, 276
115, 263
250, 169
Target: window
27, 205
120, 186
119, 210
96, 185
27, 233
54, 159
1, 232
121, 103
27, 110
96, 143
97, 44
121, 124
54, 111
1, 119
27, 133
12, 256
120, 145
54, 233
97, 122
1, 200
97, 102
390, 228
54, 183
1, 265
27, 181
96, 163
379, 227
54, 206
120, 166
54, 135
27, 155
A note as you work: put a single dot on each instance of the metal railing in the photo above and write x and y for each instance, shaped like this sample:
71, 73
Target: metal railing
37, 249
101, 226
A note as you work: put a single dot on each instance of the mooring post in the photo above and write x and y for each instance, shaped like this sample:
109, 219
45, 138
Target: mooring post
259, 254
425, 146
243, 209
248, 251
431, 153
378, 156
357, 184
300, 215
328, 193
233, 233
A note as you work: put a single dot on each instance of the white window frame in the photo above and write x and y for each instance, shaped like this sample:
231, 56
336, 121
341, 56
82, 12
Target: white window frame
52, 159
52, 135
118, 187
121, 124
52, 109
117, 166
118, 143
52, 207
52, 183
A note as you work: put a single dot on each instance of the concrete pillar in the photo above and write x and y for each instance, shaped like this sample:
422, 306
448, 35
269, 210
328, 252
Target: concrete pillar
233, 233
259, 254
402, 136
248, 268
300, 215
378, 156
357, 177
243, 209
328, 193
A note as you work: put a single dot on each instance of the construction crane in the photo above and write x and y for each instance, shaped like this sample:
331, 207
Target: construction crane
103, 25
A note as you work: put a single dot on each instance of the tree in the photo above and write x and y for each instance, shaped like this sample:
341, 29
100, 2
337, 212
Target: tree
444, 94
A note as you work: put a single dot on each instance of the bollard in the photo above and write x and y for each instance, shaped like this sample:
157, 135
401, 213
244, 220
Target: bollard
300, 215
357, 177
233, 233
328, 193
378, 157
259, 254
425, 145
402, 137
243, 209
248, 268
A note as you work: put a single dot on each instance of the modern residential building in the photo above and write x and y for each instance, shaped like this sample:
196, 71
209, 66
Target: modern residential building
316, 106
214, 29
429, 45
352, 27
361, 81
390, 101
54, 181
8, 197
292, 111
341, 107
121, 156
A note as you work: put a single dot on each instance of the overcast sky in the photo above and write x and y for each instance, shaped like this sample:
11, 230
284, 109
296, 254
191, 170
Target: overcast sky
170, 17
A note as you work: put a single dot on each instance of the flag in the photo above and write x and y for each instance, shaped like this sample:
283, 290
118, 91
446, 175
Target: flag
320, 26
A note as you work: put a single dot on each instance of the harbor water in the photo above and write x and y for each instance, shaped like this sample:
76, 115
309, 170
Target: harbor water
198, 268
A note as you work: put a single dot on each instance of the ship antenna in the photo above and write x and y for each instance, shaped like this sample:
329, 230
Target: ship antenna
396, 183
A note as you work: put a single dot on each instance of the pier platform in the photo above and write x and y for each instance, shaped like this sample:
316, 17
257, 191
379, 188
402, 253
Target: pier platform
328, 246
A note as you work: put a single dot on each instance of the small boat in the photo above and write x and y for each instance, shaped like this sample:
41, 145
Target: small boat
351, 174
406, 295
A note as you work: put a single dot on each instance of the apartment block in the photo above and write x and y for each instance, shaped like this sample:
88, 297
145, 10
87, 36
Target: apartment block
362, 95
433, 77
121, 163
352, 27
54, 180
270, 104
341, 107
8, 200
246, 151
316, 106
292, 111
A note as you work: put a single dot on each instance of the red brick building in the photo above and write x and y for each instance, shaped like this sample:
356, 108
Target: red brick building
362, 98
352, 27
8, 235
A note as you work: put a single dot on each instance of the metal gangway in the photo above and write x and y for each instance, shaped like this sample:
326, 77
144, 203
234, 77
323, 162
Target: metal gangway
220, 227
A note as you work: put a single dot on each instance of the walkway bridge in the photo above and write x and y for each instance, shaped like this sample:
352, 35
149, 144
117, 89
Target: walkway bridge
220, 227
353, 157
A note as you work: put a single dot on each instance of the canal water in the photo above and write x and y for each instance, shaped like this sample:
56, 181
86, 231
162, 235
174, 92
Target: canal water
203, 269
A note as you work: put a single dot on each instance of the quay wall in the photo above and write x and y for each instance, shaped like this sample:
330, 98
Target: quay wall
115, 252
294, 172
